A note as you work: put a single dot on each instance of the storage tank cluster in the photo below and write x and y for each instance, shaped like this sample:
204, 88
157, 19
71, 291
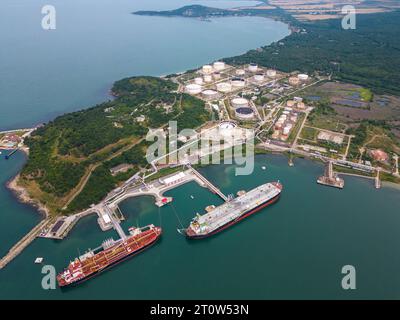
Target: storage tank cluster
217, 66
285, 123
193, 88
239, 103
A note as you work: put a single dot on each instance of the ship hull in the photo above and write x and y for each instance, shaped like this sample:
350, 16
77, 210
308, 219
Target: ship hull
150, 244
233, 222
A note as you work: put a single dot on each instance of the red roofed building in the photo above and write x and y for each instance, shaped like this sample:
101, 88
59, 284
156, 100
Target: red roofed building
379, 155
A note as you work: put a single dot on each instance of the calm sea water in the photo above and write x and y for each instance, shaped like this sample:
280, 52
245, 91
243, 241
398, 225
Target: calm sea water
47, 73
293, 249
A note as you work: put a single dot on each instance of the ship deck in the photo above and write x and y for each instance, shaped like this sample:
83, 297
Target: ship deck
236, 207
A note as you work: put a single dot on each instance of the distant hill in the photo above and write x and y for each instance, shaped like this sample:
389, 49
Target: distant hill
198, 11
193, 11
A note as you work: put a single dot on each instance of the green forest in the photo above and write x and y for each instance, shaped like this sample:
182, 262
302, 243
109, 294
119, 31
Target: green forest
88, 143
368, 55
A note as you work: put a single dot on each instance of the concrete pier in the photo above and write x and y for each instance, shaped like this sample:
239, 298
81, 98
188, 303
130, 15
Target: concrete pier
330, 178
23, 243
58, 228
378, 183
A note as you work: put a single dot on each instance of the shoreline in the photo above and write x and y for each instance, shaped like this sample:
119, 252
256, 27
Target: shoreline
22, 196
21, 193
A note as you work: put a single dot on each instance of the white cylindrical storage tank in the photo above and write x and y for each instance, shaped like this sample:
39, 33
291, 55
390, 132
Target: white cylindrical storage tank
239, 102
207, 78
238, 82
259, 77
303, 77
224, 87
271, 73
207, 69
198, 80
244, 113
193, 88
217, 76
219, 65
253, 67
210, 94
240, 72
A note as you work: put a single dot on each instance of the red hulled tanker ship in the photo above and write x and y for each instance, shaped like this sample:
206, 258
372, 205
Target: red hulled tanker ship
109, 254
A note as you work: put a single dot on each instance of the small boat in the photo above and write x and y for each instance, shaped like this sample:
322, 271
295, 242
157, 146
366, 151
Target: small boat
264, 167
191, 197
38, 260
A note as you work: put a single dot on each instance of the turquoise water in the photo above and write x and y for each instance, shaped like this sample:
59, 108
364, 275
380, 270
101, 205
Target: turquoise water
47, 73
293, 249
